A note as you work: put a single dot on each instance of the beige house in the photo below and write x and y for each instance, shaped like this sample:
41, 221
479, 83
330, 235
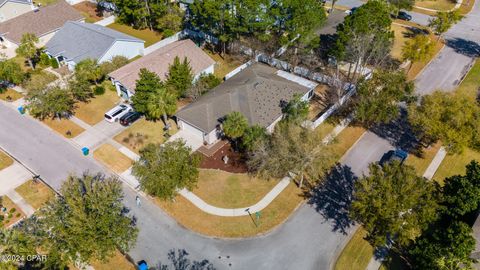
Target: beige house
10, 9
43, 22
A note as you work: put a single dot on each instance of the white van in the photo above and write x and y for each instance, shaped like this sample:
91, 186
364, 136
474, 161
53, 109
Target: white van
118, 111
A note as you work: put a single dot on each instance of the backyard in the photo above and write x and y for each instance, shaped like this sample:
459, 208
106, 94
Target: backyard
150, 37
223, 65
93, 111
144, 132
112, 158
35, 193
89, 11
12, 213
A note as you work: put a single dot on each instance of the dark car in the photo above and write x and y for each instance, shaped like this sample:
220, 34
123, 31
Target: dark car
394, 155
402, 15
129, 118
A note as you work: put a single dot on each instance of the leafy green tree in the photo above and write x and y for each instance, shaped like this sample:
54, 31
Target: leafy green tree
52, 102
291, 150
401, 4
80, 89
171, 22
253, 136
202, 85
162, 170
89, 70
377, 99
365, 37
461, 193
11, 72
442, 21
180, 76
88, 222
234, 125
115, 63
417, 49
296, 110
445, 247
152, 98
393, 201
453, 119
28, 48
15, 242
142, 14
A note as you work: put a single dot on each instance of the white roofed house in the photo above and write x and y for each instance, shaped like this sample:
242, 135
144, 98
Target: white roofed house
77, 41
158, 62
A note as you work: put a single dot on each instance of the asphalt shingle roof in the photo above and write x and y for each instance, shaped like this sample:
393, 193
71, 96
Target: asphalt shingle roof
159, 61
41, 22
257, 92
77, 41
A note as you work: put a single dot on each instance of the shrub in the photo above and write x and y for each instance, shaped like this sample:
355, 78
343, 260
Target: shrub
44, 60
13, 210
53, 63
18, 215
99, 90
168, 33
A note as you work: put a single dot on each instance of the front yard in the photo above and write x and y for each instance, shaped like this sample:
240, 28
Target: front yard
231, 190
117, 262
357, 253
421, 163
35, 194
455, 164
441, 5
93, 111
5, 161
64, 127
10, 95
150, 37
112, 158
144, 132
10, 212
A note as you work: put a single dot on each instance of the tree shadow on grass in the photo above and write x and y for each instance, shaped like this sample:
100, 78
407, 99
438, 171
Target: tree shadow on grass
333, 197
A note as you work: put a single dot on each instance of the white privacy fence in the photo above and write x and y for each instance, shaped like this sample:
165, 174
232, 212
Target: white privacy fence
163, 43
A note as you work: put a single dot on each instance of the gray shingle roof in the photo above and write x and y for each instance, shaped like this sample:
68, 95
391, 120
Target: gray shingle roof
257, 92
77, 41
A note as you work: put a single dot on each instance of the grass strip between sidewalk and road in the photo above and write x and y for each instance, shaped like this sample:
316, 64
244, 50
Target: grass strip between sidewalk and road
357, 253
112, 158
5, 161
35, 194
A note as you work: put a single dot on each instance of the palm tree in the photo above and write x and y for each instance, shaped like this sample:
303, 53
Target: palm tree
165, 104
234, 126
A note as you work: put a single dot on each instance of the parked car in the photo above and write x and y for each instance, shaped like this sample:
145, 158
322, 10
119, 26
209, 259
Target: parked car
402, 15
129, 118
351, 11
116, 112
394, 155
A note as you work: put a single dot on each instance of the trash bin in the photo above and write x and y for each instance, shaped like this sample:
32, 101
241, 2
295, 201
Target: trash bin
85, 151
21, 110
142, 265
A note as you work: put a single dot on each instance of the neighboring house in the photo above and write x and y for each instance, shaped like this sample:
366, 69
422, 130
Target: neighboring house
42, 22
77, 41
158, 62
10, 9
258, 92
476, 234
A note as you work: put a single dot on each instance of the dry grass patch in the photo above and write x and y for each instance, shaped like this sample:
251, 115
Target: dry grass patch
196, 220
455, 164
325, 129
440, 5
117, 262
10, 95
357, 253
401, 33
223, 65
35, 194
421, 163
64, 127
94, 111
12, 213
150, 37
144, 132
231, 190
5, 161
112, 158
470, 87
89, 11
345, 140
466, 6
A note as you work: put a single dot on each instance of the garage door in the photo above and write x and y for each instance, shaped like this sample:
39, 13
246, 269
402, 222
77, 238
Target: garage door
198, 134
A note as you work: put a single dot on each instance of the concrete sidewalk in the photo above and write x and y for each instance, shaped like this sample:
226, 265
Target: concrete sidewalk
437, 160
12, 177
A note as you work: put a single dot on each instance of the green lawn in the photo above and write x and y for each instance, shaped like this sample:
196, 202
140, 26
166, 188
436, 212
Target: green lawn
94, 111
471, 84
421, 163
357, 253
148, 35
45, 2
455, 164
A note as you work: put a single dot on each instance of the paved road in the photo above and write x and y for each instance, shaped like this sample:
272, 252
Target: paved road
446, 71
305, 241
419, 18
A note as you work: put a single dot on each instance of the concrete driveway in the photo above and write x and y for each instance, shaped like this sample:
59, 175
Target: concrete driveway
308, 240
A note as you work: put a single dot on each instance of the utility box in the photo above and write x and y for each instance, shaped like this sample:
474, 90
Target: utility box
85, 151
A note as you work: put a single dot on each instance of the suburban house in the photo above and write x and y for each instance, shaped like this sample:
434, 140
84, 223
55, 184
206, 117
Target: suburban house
10, 9
258, 92
158, 62
43, 22
77, 41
